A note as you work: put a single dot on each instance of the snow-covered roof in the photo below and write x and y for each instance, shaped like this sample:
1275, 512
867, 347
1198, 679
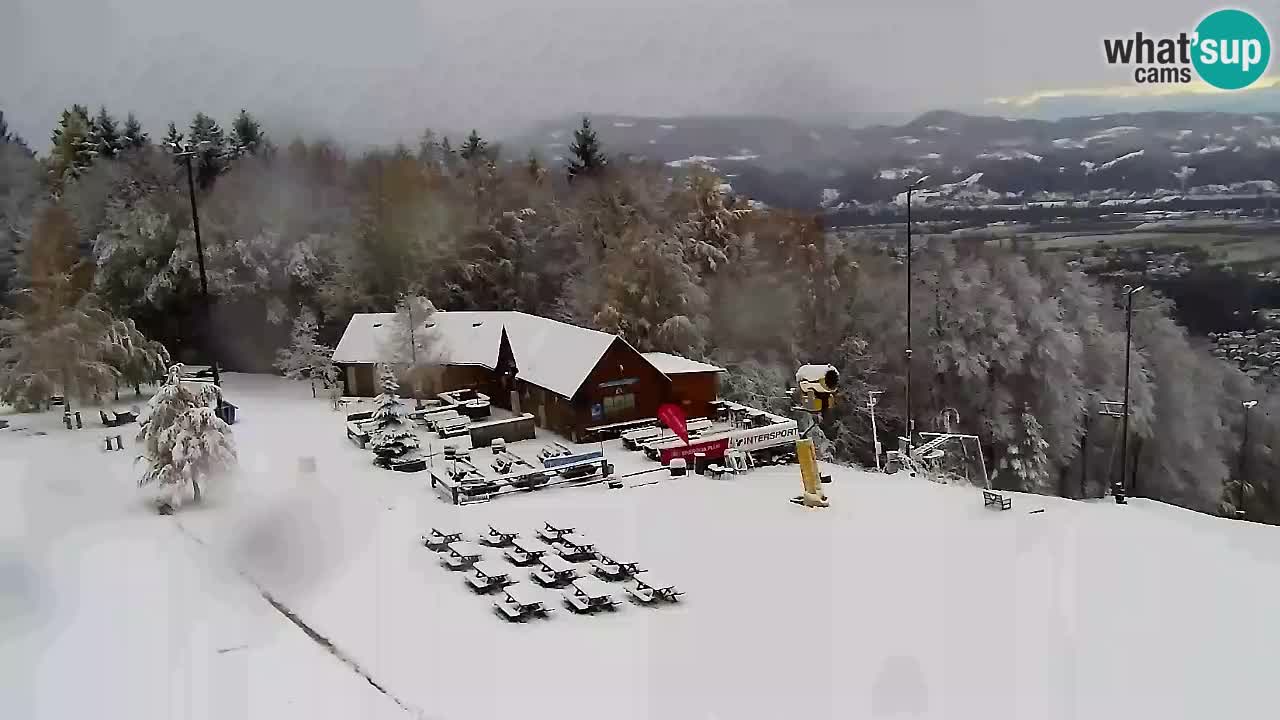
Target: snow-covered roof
364, 339
669, 364
554, 355
550, 354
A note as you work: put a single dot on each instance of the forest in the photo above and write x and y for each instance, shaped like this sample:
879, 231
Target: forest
98, 264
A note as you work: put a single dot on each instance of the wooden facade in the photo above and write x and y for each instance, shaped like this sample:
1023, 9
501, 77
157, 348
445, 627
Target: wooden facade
622, 386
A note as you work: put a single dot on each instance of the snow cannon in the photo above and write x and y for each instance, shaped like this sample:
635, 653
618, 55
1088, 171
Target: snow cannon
816, 385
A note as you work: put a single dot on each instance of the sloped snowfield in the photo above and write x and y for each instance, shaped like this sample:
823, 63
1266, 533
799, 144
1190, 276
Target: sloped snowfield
904, 599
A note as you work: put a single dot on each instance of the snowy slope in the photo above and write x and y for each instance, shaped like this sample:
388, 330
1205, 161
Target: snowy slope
108, 611
904, 598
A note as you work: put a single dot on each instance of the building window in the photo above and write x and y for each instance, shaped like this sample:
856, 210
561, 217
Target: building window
616, 405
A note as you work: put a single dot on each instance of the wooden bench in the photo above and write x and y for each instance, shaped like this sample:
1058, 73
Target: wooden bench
996, 500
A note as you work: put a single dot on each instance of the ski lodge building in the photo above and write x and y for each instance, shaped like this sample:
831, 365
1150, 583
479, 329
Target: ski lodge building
570, 378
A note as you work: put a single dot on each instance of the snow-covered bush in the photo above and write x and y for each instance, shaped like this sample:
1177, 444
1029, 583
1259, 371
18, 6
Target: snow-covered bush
183, 440
393, 435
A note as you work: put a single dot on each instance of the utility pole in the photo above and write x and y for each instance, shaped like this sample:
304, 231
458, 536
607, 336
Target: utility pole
1118, 489
910, 417
185, 154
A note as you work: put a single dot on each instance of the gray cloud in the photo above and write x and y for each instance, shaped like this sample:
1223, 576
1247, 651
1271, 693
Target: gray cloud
382, 70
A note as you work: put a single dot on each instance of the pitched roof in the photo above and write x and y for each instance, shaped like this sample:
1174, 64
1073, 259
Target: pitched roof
365, 339
550, 354
669, 364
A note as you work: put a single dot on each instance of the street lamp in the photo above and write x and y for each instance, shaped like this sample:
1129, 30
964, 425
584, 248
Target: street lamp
185, 153
910, 422
1244, 456
1117, 486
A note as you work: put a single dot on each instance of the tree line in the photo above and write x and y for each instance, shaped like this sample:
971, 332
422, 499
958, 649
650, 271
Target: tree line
1022, 349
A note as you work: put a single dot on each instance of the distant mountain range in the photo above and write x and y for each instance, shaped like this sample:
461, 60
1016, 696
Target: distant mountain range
796, 164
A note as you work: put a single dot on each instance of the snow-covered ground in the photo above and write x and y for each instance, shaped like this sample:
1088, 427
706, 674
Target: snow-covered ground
904, 598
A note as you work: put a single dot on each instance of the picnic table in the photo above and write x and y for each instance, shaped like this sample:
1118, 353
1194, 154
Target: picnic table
486, 575
648, 590
554, 571
613, 569
498, 537
520, 601
439, 540
574, 547
588, 595
525, 551
462, 554
553, 533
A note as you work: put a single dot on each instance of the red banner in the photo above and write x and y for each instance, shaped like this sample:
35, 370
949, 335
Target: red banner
673, 417
713, 449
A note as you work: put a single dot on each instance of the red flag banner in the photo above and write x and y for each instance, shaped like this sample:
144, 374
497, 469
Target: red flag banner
673, 417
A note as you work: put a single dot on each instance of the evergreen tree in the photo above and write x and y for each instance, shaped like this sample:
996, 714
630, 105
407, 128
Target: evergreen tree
588, 158
134, 137
10, 138
173, 139
246, 134
393, 435
1025, 462
72, 151
474, 149
211, 148
184, 441
304, 358
104, 135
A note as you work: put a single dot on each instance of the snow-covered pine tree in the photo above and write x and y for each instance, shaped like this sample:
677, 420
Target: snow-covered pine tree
183, 440
246, 134
587, 158
1025, 461
393, 435
173, 138
304, 358
104, 134
212, 149
134, 137
475, 148
72, 150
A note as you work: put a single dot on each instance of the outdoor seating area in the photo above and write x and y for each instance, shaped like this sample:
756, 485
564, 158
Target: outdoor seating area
996, 501
596, 584
116, 419
647, 591
462, 476
524, 552
486, 575
554, 571
498, 538
439, 540
462, 555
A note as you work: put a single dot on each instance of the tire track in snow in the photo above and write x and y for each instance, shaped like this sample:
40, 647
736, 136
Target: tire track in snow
311, 632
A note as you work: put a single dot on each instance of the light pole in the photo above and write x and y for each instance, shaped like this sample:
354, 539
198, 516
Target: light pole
910, 422
1244, 457
185, 153
1117, 487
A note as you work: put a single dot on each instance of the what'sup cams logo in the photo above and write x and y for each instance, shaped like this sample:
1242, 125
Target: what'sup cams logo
1229, 49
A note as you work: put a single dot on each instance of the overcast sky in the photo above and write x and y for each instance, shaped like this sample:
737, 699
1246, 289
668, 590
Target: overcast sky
380, 69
